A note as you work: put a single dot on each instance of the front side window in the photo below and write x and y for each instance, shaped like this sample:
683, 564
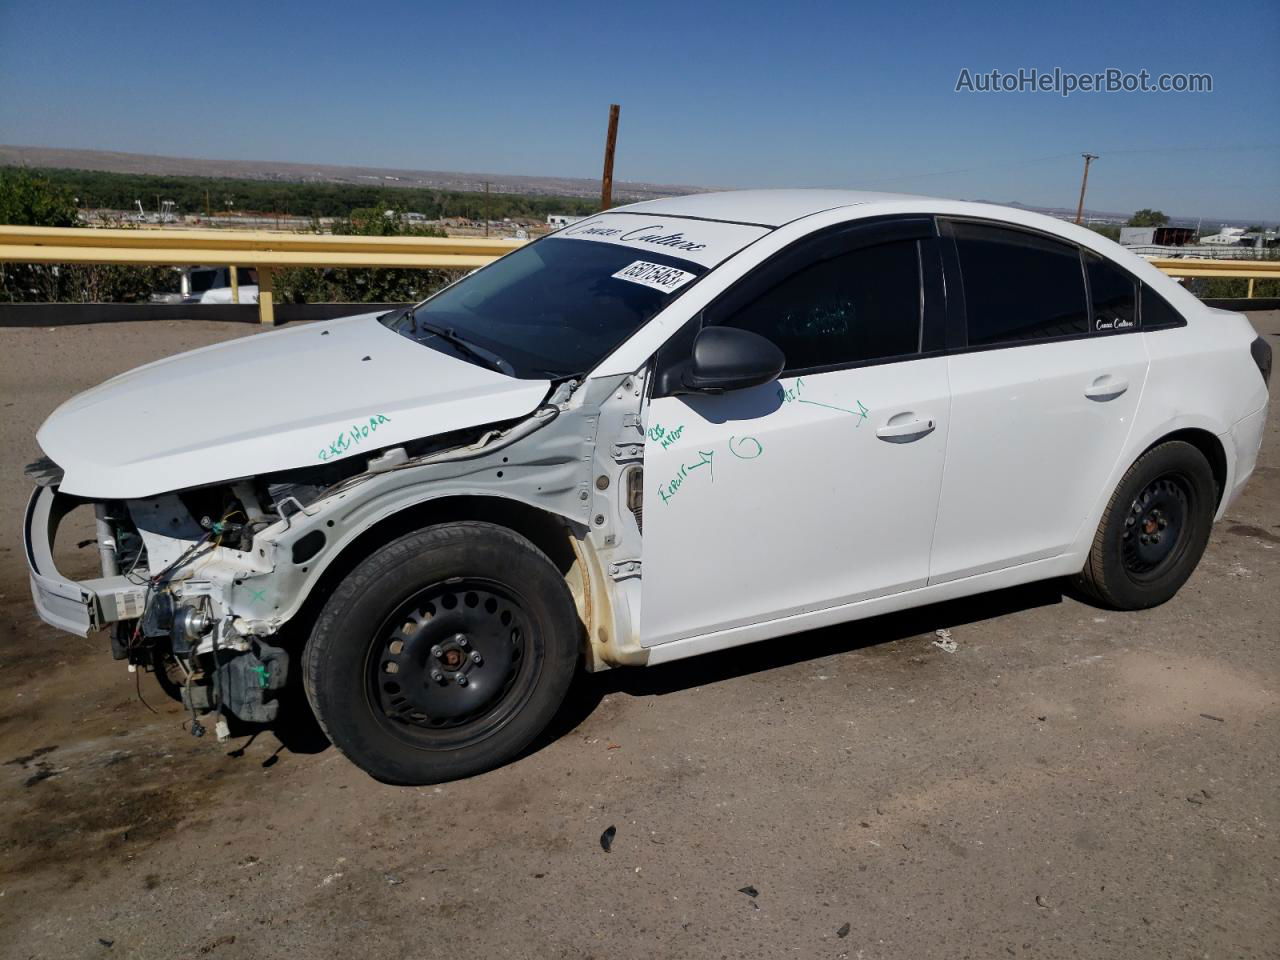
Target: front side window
854, 307
1113, 293
552, 309
1019, 286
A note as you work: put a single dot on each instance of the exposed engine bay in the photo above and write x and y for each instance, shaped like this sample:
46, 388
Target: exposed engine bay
198, 584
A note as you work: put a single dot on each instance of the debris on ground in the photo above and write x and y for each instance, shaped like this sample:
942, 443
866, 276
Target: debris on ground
1042, 902
843, 931
392, 879
1210, 716
43, 772
606, 838
943, 641
26, 758
750, 891
213, 945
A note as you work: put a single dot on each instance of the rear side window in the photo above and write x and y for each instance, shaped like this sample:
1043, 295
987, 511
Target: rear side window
1156, 312
1113, 292
1019, 286
855, 307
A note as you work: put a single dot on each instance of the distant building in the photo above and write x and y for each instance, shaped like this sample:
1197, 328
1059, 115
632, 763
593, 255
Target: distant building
1228, 237
1156, 236
558, 220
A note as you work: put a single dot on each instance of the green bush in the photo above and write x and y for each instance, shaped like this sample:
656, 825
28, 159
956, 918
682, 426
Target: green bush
370, 284
30, 200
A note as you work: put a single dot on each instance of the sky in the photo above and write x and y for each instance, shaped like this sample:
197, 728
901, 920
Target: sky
745, 94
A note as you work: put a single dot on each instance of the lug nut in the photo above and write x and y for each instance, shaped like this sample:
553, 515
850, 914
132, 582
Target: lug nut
461, 640
436, 651
437, 676
476, 658
462, 680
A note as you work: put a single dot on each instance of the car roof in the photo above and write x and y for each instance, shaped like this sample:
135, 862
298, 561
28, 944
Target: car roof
776, 208
767, 208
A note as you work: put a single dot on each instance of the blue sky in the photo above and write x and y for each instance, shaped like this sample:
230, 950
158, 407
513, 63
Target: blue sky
735, 94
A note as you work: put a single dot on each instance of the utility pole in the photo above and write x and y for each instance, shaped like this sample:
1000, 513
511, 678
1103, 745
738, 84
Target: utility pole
486, 208
1088, 158
610, 141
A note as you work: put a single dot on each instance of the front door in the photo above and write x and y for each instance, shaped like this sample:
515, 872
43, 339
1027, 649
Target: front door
819, 489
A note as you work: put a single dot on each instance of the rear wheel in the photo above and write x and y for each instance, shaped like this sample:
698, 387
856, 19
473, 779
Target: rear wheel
443, 653
1154, 530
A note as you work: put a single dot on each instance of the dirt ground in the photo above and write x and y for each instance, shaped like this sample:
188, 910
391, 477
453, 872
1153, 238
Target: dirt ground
1068, 783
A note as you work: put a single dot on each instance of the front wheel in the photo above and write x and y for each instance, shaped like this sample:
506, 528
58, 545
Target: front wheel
1154, 530
443, 653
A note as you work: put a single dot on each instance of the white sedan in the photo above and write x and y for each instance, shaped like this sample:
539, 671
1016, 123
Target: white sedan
675, 427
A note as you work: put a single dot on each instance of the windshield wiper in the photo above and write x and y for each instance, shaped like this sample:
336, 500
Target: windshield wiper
478, 353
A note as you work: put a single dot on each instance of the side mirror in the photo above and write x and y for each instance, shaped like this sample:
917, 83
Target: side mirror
726, 358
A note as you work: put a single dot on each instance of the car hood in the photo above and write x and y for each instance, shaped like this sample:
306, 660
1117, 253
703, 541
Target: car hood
274, 401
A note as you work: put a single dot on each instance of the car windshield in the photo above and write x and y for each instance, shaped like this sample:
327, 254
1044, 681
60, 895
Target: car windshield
553, 309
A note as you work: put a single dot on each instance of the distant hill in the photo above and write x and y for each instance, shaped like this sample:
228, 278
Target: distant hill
321, 173
329, 173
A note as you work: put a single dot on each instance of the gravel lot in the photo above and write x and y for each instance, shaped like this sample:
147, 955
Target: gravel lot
1070, 782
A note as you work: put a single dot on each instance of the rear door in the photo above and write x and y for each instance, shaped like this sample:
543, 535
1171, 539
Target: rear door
1044, 386
818, 489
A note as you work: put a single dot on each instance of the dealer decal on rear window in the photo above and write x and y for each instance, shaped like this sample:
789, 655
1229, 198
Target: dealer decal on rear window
655, 275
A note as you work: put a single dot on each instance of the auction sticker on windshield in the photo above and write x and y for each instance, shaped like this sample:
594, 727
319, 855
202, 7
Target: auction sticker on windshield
655, 275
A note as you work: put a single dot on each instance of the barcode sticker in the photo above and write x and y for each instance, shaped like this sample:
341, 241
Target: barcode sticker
128, 604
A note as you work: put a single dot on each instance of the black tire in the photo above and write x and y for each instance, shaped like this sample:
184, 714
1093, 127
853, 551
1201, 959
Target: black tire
443, 653
1154, 529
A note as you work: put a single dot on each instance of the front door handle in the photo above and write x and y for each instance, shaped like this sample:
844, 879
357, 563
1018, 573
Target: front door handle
905, 432
1106, 387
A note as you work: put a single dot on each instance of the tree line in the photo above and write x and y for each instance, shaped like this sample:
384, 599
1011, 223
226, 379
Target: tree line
95, 189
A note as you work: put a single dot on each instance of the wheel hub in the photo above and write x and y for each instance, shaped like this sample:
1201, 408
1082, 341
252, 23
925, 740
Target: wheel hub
449, 655
1154, 526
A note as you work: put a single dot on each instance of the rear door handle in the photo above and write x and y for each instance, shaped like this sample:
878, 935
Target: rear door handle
1106, 387
905, 432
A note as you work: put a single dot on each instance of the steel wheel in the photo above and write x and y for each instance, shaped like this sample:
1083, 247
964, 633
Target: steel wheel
454, 662
1157, 517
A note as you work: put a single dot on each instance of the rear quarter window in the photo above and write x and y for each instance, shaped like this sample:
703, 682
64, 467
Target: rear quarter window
1156, 312
1113, 293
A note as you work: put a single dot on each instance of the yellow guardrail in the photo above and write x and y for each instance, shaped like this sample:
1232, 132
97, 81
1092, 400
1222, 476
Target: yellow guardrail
1249, 270
265, 250
260, 249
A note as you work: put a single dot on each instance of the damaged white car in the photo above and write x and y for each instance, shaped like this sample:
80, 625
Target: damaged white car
671, 428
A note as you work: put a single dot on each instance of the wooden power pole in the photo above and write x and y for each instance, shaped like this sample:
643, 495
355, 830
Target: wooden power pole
1088, 159
610, 141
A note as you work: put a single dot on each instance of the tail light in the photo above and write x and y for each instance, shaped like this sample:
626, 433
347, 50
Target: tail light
1261, 351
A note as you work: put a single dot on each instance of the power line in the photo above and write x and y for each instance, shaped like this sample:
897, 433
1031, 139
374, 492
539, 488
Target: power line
1065, 156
